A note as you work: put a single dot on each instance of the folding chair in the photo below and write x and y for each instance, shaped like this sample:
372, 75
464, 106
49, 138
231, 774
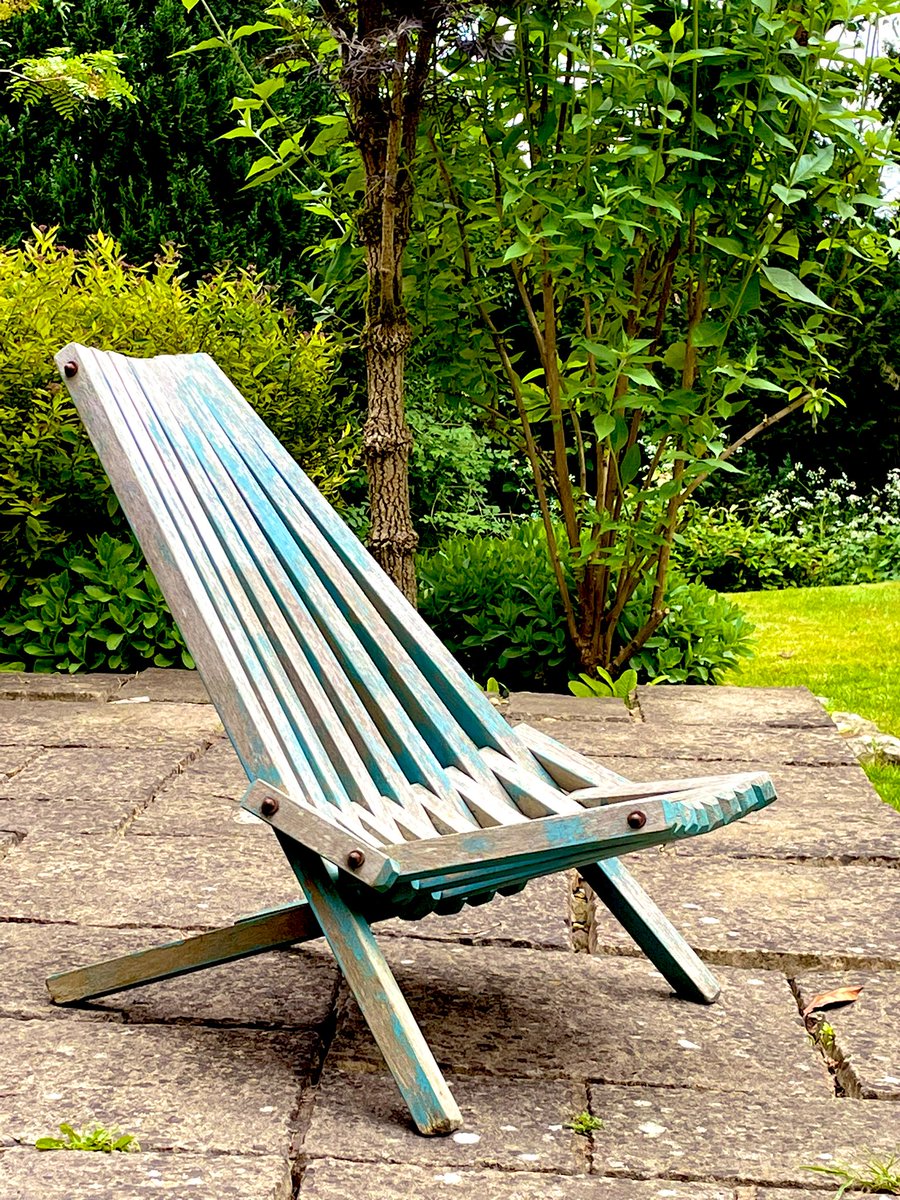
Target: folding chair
391, 782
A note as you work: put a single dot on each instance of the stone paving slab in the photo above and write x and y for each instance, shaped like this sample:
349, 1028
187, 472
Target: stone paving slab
14, 758
738, 1138
866, 1042
74, 818
832, 815
280, 989
22, 685
747, 747
31, 1175
185, 808
755, 913
332, 1179
121, 726
527, 1014
514, 1124
7, 841
537, 917
528, 706
771, 708
166, 687
192, 884
86, 773
178, 1087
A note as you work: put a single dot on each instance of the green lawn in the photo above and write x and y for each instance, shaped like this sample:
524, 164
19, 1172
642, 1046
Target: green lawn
843, 643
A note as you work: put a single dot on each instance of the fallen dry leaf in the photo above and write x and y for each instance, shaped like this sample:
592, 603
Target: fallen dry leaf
843, 995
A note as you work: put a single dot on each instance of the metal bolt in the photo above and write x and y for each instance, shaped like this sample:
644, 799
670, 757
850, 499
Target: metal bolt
70, 369
269, 806
355, 859
636, 819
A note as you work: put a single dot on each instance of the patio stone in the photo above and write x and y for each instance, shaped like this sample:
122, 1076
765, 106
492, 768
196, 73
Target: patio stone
24, 685
528, 706
528, 1014
120, 726
282, 989
87, 773
71, 817
176, 1087
515, 1124
31, 1175
334, 1179
169, 686
761, 914
733, 1138
184, 883
771, 708
745, 746
866, 1046
14, 758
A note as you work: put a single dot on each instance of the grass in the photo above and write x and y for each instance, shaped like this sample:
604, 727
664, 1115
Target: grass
843, 643
876, 1176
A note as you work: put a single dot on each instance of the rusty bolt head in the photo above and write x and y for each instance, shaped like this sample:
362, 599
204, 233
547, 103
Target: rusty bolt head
70, 369
636, 819
355, 859
269, 806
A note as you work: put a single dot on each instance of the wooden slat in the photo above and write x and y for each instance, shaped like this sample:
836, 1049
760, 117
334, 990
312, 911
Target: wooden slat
448, 689
591, 797
569, 769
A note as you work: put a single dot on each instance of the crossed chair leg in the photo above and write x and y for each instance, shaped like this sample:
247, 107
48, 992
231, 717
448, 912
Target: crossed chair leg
326, 912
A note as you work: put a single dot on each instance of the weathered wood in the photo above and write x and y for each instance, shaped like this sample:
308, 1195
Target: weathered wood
651, 929
383, 1005
400, 790
254, 935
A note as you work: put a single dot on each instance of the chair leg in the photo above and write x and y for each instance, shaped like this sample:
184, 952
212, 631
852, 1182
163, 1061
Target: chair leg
267, 931
651, 929
383, 1005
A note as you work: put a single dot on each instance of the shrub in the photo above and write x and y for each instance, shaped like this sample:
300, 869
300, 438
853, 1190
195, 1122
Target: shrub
102, 611
804, 531
53, 491
494, 601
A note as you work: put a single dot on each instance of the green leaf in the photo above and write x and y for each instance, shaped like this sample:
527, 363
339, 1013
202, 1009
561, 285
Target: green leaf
788, 195
213, 43
676, 31
705, 125
787, 284
640, 376
630, 464
516, 250
811, 166
604, 424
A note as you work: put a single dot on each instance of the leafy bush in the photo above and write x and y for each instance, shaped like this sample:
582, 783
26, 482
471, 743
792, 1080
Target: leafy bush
494, 601
52, 489
103, 611
806, 530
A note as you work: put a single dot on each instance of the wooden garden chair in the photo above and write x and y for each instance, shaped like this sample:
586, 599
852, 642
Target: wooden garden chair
392, 784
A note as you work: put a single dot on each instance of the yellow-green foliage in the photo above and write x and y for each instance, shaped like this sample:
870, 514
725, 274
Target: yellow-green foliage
52, 489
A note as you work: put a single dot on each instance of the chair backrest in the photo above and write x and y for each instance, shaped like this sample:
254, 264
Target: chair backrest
329, 684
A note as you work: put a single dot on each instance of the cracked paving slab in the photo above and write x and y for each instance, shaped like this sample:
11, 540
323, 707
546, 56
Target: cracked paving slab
32, 1175
733, 1138
332, 1179
74, 818
14, 758
86, 773
142, 881
179, 1087
829, 815
118, 726
527, 1014
754, 913
516, 1125
279, 989
866, 1047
